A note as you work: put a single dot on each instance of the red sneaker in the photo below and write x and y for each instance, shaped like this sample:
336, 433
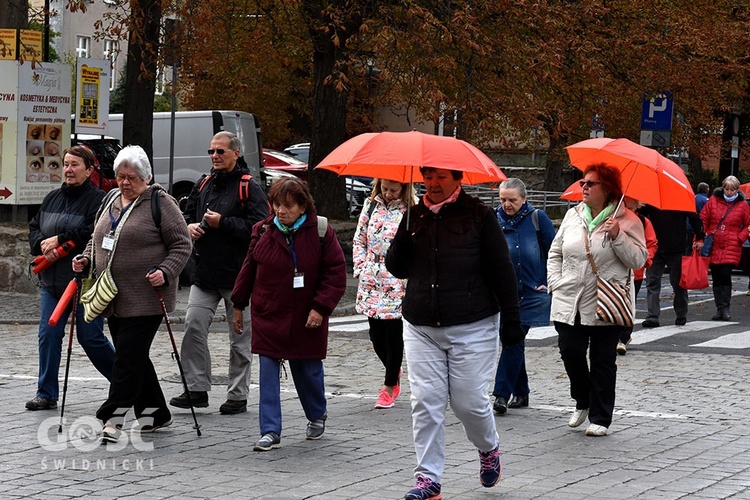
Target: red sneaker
385, 400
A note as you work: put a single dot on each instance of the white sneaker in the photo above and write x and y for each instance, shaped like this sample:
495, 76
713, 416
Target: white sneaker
596, 430
621, 349
578, 417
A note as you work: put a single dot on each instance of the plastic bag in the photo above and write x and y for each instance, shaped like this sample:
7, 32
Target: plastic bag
694, 271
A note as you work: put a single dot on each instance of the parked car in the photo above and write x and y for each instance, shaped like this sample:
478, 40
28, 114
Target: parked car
271, 175
300, 151
284, 162
357, 189
105, 149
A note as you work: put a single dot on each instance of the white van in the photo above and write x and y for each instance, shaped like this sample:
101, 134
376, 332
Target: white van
193, 131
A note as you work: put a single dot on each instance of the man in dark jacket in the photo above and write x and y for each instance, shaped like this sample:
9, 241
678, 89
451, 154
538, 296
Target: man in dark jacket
220, 213
670, 228
455, 257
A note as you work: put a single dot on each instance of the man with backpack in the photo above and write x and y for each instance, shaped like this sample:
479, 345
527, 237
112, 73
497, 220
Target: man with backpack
220, 211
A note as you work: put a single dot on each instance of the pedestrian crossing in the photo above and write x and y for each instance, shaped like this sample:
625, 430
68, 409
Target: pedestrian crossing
643, 336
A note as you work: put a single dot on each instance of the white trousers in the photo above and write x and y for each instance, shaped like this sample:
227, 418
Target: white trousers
450, 364
194, 353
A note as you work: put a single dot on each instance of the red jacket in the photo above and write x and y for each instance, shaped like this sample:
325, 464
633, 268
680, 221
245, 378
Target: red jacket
278, 310
728, 239
651, 246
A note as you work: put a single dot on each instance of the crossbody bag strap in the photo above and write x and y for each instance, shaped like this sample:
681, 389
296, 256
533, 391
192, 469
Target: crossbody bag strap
591, 260
729, 209
588, 253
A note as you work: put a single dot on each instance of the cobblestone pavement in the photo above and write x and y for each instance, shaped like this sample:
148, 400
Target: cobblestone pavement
679, 431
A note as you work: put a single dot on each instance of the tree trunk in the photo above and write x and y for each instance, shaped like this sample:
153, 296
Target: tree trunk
557, 160
328, 129
140, 75
14, 14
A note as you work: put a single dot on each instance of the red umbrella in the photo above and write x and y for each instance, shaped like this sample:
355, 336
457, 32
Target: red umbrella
646, 175
745, 188
397, 156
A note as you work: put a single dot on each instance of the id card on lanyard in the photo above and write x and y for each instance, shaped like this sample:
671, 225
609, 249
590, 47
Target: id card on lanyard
299, 278
108, 242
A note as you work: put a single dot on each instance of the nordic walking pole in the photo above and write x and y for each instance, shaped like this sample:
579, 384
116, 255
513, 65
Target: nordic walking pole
70, 292
176, 354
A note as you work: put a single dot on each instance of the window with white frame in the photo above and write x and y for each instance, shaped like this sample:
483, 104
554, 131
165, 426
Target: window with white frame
110, 52
82, 46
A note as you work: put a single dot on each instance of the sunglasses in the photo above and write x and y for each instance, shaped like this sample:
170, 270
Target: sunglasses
217, 151
588, 184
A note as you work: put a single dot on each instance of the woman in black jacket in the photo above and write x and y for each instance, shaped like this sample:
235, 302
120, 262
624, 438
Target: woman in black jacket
66, 214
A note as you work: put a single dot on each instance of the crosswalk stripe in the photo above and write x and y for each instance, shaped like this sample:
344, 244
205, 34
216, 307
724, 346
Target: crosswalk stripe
645, 336
541, 333
730, 341
358, 323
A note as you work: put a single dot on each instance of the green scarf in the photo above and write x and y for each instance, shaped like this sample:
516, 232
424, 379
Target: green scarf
593, 222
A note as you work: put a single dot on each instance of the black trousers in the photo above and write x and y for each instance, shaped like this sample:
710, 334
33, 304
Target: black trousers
134, 381
594, 387
387, 337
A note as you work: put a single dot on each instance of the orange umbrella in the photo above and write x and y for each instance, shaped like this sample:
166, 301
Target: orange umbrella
745, 188
646, 175
397, 156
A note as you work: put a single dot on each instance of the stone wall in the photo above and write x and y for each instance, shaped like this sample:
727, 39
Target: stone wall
15, 275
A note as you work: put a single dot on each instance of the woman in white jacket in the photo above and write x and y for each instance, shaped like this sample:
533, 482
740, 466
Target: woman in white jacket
379, 293
617, 245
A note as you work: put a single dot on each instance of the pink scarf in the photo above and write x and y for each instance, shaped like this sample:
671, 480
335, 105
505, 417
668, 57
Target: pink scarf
435, 207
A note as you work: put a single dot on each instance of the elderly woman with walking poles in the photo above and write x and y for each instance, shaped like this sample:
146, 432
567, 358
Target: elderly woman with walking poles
66, 217
141, 254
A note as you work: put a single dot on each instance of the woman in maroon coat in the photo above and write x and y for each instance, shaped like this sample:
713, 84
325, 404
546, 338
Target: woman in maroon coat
728, 236
296, 274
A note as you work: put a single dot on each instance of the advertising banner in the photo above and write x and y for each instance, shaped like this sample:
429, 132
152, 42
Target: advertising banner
35, 107
7, 43
92, 96
31, 45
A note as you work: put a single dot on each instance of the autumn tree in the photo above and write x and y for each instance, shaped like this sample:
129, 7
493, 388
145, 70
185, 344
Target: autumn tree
507, 71
140, 22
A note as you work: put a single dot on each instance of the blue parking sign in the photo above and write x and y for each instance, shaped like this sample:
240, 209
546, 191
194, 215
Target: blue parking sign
656, 113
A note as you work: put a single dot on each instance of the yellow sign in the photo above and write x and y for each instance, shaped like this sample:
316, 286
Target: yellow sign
89, 98
7, 43
31, 45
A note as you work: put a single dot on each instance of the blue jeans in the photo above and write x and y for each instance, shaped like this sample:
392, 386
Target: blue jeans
511, 376
90, 335
309, 382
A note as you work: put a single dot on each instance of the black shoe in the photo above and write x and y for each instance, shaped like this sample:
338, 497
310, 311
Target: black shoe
717, 317
519, 402
500, 406
145, 429
680, 321
232, 407
198, 398
650, 323
39, 403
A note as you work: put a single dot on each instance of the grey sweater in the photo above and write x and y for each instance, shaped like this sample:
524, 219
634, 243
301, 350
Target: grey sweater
140, 248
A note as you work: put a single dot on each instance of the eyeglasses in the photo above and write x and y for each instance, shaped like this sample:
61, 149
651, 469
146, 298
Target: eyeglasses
217, 151
588, 184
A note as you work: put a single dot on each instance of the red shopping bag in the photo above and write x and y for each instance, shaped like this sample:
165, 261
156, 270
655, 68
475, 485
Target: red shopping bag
694, 271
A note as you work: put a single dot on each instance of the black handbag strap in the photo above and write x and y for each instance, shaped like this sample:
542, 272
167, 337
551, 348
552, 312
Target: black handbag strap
729, 209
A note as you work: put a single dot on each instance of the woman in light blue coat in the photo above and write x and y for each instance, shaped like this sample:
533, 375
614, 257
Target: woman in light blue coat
529, 234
